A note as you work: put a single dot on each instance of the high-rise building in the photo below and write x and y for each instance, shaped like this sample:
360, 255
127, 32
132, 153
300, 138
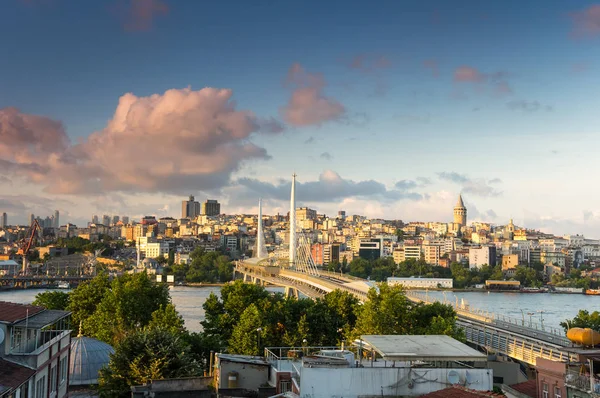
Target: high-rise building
94, 219
211, 208
31, 218
4, 221
115, 220
105, 220
304, 213
341, 214
125, 220
56, 219
190, 208
460, 212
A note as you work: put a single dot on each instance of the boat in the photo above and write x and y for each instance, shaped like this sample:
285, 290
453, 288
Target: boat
592, 292
533, 290
63, 285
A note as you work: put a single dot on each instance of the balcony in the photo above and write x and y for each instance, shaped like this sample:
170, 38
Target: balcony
583, 382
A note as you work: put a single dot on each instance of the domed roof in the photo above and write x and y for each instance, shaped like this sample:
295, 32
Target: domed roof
88, 356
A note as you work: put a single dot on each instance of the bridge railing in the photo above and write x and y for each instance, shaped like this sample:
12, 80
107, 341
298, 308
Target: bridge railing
528, 327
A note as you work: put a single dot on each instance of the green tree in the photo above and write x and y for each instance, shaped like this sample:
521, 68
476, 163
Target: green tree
245, 335
461, 275
583, 319
52, 300
85, 298
167, 317
127, 305
385, 312
144, 355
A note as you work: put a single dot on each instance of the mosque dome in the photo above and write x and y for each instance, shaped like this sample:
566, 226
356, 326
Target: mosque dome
88, 356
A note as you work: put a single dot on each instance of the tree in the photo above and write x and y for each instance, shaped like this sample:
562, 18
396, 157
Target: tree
126, 306
167, 317
583, 319
161, 260
85, 298
245, 335
52, 300
144, 355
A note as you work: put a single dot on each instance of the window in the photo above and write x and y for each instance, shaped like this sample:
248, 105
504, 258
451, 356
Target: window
285, 386
544, 390
557, 392
53, 379
63, 369
40, 388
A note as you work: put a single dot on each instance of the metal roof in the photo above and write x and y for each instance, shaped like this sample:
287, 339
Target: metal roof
42, 319
244, 359
13, 312
422, 347
88, 356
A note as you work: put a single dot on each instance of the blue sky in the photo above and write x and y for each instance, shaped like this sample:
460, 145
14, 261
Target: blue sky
481, 91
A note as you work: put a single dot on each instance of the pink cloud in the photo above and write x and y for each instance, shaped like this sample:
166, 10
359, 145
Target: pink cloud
164, 142
307, 105
468, 74
140, 14
586, 22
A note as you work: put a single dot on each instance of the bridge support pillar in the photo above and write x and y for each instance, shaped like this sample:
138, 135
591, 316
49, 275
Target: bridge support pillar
291, 292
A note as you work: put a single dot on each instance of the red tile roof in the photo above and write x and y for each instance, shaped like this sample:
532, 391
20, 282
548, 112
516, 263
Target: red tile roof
457, 391
13, 375
528, 388
12, 312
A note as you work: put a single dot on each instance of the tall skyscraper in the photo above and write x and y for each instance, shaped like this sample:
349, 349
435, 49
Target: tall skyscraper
4, 221
211, 208
125, 220
190, 208
31, 218
115, 220
94, 219
56, 219
105, 220
293, 222
460, 212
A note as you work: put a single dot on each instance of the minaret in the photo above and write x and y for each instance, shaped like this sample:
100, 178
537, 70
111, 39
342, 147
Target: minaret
460, 212
261, 250
293, 222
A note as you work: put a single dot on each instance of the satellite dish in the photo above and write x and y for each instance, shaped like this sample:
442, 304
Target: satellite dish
453, 377
469, 377
1, 335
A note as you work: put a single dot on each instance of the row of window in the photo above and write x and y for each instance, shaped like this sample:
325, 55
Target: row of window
545, 391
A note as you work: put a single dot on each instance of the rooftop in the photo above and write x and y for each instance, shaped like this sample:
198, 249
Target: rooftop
457, 391
13, 312
42, 319
13, 375
422, 347
243, 359
528, 388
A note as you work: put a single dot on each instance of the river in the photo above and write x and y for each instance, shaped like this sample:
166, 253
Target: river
552, 308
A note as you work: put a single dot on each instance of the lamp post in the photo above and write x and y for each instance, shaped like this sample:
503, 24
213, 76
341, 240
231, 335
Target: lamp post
531, 314
523, 317
541, 318
258, 332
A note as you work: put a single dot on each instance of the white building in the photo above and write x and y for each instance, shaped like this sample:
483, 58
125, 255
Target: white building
157, 249
422, 283
485, 255
388, 367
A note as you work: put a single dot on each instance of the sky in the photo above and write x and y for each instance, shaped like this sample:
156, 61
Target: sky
387, 109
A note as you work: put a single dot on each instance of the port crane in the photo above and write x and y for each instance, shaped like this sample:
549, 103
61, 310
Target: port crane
27, 243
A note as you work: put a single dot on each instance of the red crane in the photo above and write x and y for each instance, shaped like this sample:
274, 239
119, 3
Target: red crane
28, 242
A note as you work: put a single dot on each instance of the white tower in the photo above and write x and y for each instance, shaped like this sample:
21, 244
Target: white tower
261, 249
293, 238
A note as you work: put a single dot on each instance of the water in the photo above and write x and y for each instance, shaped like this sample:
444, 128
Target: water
552, 308
187, 300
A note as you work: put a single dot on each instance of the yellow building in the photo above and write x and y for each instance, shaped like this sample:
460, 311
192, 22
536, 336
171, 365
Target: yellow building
432, 254
510, 261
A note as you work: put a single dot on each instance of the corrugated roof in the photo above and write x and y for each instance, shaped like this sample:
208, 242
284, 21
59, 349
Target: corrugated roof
422, 347
42, 319
457, 391
13, 312
13, 375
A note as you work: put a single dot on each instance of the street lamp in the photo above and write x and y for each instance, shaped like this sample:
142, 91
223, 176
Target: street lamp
258, 331
531, 314
523, 317
541, 318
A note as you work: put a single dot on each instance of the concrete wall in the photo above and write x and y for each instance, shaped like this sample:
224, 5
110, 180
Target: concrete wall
357, 382
250, 377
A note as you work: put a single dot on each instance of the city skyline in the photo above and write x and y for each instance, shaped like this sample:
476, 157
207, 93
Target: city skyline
388, 112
